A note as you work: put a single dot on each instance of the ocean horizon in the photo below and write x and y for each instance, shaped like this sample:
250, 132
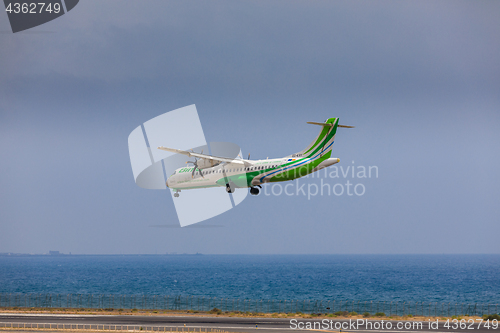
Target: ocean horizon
445, 278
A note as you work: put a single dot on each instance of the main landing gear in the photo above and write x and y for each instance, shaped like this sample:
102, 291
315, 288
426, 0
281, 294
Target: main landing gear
230, 188
176, 194
254, 190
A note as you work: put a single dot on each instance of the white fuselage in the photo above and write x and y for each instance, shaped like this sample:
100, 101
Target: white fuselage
253, 173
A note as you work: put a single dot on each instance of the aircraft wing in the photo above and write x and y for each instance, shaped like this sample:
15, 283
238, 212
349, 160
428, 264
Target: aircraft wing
203, 156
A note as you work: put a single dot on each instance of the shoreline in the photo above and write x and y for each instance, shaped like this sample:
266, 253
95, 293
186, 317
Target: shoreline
183, 313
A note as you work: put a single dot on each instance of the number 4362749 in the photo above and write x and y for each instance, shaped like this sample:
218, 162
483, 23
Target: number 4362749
469, 324
33, 8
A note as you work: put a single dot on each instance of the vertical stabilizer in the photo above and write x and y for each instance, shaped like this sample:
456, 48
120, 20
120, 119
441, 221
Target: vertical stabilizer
322, 144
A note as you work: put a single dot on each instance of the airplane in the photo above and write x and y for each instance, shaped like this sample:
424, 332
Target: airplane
211, 171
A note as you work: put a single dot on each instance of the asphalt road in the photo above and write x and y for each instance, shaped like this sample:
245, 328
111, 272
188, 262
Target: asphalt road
235, 324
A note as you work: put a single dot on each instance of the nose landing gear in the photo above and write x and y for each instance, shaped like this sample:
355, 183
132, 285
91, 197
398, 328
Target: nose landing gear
176, 194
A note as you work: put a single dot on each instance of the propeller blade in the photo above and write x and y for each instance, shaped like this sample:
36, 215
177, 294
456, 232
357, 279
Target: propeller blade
248, 155
194, 170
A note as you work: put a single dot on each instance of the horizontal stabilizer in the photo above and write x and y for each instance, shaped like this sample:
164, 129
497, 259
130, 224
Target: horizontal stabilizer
330, 125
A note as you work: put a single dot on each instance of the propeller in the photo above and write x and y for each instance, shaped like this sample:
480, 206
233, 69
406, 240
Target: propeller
248, 155
195, 164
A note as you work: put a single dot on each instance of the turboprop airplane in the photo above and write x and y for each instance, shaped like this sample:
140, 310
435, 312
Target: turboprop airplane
212, 171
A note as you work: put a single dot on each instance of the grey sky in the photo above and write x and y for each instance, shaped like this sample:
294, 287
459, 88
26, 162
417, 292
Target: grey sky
419, 80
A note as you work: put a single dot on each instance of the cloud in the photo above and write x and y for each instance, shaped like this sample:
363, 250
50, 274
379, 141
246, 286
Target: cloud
420, 81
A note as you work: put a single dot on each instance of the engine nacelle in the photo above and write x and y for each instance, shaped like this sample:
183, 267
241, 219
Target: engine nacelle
205, 163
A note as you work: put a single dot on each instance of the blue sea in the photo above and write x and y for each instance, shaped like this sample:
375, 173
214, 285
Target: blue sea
414, 278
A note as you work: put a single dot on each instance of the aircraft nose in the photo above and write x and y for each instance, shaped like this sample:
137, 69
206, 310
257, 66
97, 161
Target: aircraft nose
168, 180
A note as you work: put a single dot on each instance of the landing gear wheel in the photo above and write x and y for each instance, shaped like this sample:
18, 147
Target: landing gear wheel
176, 194
254, 191
230, 188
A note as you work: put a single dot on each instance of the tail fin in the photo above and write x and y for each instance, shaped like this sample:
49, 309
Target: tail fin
322, 145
